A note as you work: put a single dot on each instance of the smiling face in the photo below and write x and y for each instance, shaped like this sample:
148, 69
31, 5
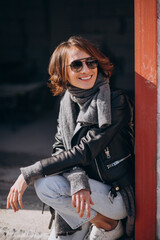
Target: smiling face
85, 79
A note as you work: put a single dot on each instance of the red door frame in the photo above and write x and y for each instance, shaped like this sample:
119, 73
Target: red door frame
145, 117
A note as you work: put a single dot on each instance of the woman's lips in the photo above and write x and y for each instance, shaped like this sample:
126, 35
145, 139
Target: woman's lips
86, 78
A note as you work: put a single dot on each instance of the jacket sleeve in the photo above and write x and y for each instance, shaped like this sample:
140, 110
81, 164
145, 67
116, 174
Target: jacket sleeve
78, 179
91, 144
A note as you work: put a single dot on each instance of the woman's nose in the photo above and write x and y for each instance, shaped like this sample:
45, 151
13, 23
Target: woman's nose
84, 67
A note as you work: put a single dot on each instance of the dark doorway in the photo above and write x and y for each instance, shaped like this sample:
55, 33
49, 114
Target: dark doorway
30, 31
109, 24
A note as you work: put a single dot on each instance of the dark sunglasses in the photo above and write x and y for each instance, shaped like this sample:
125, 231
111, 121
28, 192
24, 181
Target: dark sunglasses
77, 65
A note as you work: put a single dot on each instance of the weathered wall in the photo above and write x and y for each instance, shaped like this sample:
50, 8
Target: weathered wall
158, 121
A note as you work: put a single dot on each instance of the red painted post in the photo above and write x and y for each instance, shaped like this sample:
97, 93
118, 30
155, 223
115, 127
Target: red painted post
145, 117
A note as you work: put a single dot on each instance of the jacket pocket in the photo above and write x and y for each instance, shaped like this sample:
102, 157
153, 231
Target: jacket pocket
112, 170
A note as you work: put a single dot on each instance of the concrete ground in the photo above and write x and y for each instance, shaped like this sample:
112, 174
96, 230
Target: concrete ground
22, 145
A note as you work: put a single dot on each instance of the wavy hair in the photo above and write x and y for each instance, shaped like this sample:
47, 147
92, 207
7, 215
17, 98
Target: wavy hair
58, 62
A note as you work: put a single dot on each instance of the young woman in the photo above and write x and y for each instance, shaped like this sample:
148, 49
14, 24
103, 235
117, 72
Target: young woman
88, 179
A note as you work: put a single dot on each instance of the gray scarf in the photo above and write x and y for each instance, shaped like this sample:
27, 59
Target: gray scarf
94, 104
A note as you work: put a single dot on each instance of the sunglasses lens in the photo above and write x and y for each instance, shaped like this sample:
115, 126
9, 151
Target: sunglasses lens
76, 66
92, 63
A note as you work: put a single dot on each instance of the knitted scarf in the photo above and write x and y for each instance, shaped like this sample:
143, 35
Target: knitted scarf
94, 108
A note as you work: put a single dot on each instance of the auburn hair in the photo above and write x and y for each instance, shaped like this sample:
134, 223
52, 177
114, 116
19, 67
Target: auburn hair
58, 62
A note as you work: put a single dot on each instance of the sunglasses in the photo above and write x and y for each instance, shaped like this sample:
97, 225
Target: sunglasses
77, 65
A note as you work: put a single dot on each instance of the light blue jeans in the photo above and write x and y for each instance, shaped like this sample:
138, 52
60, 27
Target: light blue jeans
55, 192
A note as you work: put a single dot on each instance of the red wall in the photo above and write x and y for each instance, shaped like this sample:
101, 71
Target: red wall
145, 117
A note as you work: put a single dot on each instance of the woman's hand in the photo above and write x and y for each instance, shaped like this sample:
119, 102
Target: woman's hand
81, 200
16, 192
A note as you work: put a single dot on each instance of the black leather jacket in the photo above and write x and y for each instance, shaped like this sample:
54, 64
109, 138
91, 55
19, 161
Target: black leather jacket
92, 150
92, 143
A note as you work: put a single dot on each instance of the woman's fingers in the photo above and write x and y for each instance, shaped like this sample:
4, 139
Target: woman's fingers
82, 208
11, 200
78, 203
15, 197
8, 200
86, 205
88, 209
10, 197
81, 201
74, 201
16, 192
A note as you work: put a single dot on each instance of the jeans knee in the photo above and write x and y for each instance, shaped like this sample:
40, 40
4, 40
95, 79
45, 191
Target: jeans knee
40, 188
51, 186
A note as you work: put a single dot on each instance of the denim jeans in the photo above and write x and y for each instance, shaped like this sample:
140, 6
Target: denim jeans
55, 192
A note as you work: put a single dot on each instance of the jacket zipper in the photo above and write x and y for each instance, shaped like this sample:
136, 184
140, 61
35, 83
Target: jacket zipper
98, 170
117, 162
108, 156
107, 152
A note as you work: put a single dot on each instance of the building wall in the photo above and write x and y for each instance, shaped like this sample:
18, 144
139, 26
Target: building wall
30, 30
24, 41
158, 121
110, 24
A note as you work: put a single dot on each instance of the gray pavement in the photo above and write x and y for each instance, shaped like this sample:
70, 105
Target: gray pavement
22, 146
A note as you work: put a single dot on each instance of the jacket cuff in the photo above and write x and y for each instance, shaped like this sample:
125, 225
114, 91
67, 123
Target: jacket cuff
78, 180
32, 172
